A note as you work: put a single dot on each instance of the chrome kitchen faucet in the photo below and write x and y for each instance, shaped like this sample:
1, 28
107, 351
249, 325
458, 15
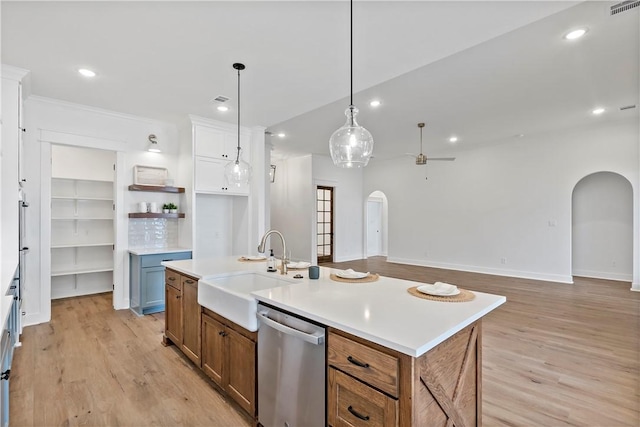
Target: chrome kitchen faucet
263, 241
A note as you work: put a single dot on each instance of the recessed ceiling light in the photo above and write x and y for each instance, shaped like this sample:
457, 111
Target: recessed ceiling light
222, 108
375, 103
281, 135
575, 34
86, 72
597, 111
453, 139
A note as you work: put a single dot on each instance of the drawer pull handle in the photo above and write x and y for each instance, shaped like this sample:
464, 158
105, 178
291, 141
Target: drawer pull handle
357, 414
357, 362
172, 279
189, 281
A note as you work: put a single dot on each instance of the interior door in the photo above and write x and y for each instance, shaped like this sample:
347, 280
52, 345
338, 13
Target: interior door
374, 226
324, 226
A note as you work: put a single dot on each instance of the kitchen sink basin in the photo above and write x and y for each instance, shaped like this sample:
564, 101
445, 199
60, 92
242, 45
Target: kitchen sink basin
230, 296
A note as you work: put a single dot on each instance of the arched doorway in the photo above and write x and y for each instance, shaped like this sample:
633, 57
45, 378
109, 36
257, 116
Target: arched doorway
377, 213
602, 227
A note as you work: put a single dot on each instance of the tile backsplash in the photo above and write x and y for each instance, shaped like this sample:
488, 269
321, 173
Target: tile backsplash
153, 232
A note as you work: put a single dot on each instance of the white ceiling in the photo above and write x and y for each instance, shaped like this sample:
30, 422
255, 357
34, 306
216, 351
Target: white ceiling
482, 70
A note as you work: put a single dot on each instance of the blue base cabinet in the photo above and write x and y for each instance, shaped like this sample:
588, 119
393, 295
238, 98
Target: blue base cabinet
146, 281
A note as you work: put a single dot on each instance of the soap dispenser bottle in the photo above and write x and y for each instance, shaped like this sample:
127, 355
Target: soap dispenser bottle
271, 262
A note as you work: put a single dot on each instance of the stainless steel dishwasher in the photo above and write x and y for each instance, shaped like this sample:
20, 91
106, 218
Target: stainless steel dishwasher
291, 370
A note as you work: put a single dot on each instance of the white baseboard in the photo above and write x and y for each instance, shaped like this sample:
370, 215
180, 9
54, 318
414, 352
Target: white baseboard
621, 277
31, 319
558, 278
347, 258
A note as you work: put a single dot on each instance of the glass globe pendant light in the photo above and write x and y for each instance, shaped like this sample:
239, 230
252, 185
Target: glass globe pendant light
238, 172
351, 146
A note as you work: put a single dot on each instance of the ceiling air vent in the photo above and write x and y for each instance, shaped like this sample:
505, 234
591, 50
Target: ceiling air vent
624, 6
221, 98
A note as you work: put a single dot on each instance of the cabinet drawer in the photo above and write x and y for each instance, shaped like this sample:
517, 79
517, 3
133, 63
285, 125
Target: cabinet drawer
172, 279
354, 404
157, 259
369, 365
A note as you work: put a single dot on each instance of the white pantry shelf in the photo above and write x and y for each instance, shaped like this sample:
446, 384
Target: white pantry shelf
81, 271
81, 219
81, 245
105, 199
82, 236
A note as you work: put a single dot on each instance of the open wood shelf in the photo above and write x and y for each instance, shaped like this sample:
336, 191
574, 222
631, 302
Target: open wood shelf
155, 215
157, 189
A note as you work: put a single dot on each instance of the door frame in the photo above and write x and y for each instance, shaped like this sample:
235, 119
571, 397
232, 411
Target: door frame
325, 258
380, 203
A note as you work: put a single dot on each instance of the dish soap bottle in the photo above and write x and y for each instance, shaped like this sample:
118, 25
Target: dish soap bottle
271, 262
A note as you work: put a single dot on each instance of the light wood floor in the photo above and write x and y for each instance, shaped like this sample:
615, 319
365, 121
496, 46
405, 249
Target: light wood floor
553, 355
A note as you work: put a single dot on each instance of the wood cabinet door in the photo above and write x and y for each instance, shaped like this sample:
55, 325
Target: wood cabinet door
191, 319
355, 404
241, 372
213, 349
173, 314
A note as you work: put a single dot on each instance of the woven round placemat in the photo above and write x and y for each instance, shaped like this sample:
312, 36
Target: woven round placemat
243, 259
463, 296
372, 277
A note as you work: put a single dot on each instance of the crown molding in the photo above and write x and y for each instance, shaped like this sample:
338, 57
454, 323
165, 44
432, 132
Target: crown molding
96, 110
13, 73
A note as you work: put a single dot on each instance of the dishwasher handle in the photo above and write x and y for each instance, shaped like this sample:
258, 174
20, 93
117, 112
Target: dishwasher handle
316, 338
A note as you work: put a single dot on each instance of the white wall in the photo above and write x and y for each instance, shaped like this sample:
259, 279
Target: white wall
50, 121
603, 227
292, 208
82, 163
508, 201
349, 208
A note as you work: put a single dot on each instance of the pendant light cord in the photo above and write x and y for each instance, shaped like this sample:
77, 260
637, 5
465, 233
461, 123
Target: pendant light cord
351, 107
238, 153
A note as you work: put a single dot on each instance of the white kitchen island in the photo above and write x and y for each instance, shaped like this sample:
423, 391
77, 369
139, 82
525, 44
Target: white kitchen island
418, 362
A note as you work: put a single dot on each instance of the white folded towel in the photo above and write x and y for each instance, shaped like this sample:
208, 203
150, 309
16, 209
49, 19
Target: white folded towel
444, 288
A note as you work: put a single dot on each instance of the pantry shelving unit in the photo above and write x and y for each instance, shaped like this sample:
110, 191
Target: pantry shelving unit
82, 237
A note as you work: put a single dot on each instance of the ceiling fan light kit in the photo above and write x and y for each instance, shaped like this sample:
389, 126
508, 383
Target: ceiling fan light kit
238, 172
351, 146
421, 159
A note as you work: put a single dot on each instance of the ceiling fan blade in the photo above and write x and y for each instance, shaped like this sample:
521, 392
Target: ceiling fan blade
446, 159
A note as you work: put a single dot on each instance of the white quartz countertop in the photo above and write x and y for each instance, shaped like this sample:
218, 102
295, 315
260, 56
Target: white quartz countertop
155, 251
382, 311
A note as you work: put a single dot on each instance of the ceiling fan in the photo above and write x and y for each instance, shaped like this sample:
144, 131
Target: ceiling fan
421, 159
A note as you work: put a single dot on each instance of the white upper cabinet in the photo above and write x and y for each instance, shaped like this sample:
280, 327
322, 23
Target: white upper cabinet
219, 144
213, 149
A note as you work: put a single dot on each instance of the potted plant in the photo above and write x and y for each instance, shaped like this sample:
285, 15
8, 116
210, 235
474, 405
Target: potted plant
166, 208
173, 208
